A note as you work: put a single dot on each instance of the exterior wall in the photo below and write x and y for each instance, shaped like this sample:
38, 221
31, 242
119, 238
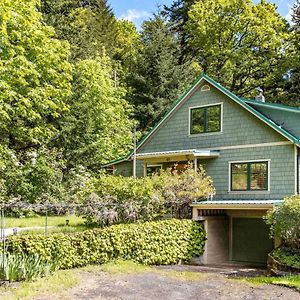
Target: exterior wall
290, 120
216, 248
240, 127
282, 175
126, 168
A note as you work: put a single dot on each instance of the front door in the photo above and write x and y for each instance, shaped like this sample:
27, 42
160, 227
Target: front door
250, 240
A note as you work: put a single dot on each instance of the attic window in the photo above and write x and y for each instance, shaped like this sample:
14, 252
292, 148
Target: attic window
205, 119
205, 88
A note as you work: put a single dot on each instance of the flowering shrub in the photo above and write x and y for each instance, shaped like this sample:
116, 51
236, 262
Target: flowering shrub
115, 199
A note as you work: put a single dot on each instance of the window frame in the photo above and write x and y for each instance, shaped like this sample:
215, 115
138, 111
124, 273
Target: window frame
205, 107
151, 165
249, 162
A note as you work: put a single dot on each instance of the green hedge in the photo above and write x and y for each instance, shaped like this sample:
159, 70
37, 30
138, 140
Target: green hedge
162, 242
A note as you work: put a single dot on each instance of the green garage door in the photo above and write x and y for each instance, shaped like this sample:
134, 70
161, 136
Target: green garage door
250, 240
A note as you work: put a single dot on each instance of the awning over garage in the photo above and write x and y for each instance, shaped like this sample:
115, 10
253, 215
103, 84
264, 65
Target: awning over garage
194, 153
236, 204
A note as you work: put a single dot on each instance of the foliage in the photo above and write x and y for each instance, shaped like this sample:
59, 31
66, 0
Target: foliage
114, 199
241, 44
35, 76
292, 281
163, 242
18, 267
89, 26
285, 221
98, 127
177, 16
287, 256
34, 175
158, 78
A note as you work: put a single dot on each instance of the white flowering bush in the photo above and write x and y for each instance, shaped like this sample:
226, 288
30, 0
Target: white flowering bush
114, 199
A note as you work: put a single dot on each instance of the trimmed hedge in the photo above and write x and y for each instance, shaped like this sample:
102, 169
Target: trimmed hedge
162, 242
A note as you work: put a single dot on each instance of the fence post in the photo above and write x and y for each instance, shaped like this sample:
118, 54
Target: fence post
3, 239
46, 221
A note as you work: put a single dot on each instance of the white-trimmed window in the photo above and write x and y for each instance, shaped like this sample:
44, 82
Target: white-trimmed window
249, 176
205, 119
152, 169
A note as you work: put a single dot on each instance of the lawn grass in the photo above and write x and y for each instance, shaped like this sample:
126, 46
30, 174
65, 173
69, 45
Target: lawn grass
56, 283
62, 280
292, 281
39, 221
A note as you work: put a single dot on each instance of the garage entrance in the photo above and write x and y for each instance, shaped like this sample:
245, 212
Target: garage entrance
250, 240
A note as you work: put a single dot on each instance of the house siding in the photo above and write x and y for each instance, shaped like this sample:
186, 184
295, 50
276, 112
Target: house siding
288, 119
239, 127
281, 172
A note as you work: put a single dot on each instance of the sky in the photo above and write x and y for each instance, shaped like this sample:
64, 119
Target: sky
139, 10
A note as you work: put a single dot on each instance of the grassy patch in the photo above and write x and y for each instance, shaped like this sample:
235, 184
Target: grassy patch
40, 221
55, 283
55, 229
183, 275
120, 267
289, 281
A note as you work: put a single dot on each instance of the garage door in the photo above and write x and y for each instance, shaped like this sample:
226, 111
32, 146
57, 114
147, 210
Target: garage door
250, 240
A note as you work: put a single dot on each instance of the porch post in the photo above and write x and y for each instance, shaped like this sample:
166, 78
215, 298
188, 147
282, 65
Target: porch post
195, 164
134, 153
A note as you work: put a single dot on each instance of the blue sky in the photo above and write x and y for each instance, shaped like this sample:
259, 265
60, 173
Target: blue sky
140, 10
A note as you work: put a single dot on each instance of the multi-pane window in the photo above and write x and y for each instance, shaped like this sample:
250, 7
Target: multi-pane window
249, 176
205, 119
153, 169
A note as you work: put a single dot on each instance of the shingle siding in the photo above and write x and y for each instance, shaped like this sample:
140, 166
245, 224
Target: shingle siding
240, 127
281, 172
288, 119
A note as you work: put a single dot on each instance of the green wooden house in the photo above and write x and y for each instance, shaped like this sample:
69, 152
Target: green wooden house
250, 149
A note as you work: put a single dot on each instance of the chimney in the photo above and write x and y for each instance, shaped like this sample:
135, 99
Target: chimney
260, 96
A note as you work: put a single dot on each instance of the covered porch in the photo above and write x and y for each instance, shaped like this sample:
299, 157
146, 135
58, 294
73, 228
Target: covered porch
155, 161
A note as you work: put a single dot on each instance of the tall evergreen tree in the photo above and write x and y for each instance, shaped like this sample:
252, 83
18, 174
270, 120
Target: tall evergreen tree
158, 78
98, 127
88, 25
292, 87
177, 15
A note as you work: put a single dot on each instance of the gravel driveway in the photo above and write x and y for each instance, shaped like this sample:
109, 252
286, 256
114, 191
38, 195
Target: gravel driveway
164, 283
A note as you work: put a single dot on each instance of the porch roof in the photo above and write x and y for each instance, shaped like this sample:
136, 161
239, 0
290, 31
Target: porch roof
236, 204
191, 152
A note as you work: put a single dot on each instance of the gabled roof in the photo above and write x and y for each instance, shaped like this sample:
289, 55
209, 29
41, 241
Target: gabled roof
241, 101
272, 105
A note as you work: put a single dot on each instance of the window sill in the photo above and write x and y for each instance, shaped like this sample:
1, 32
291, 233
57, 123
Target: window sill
205, 134
248, 192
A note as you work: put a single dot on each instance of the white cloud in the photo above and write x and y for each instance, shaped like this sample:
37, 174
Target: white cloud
288, 16
133, 14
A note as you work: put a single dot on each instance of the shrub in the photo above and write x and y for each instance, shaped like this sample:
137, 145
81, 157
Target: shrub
285, 221
116, 199
163, 242
287, 256
17, 267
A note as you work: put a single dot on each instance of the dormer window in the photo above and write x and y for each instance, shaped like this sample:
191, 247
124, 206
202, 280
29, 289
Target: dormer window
205, 119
